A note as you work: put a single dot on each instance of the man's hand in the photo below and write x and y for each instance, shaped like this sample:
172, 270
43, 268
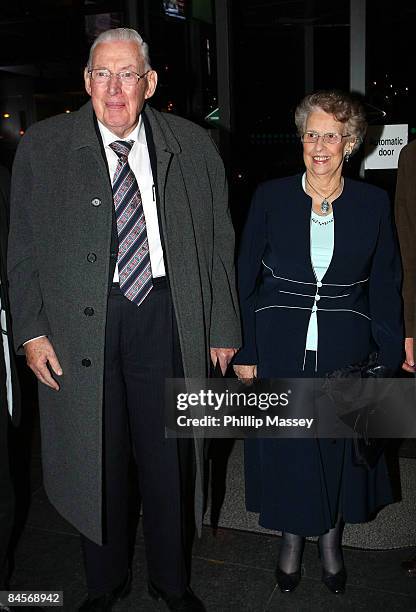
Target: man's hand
246, 373
39, 354
409, 364
223, 355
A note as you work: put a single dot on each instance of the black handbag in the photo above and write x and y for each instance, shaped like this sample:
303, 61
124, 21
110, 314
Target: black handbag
366, 450
356, 370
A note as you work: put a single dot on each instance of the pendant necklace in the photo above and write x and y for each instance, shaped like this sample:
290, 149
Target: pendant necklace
325, 205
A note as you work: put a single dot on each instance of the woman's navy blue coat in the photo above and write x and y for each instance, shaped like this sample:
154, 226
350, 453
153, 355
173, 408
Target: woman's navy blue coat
301, 485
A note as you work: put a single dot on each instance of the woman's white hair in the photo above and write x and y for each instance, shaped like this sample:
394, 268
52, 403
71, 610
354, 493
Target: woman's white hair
122, 34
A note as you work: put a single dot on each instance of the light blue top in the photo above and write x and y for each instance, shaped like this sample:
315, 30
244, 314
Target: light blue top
322, 248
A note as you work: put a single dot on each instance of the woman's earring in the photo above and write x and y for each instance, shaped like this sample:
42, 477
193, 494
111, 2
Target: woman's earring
347, 157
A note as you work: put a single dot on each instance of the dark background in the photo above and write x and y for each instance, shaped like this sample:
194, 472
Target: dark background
44, 46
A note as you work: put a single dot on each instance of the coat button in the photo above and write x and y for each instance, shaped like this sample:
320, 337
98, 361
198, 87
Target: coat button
86, 363
89, 311
91, 257
96, 201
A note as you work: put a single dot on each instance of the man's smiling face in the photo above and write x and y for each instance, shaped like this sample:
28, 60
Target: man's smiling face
117, 105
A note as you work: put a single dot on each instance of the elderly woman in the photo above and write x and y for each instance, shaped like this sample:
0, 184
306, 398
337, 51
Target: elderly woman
319, 279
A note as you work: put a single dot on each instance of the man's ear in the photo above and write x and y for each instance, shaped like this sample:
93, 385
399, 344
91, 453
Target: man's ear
151, 80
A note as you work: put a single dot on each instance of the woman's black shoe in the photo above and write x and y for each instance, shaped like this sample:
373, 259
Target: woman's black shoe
287, 582
335, 582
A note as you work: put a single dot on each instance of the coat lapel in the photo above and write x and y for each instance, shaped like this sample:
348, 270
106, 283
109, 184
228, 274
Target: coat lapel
162, 146
85, 135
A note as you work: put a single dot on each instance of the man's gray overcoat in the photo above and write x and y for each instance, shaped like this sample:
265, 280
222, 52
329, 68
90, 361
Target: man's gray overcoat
59, 257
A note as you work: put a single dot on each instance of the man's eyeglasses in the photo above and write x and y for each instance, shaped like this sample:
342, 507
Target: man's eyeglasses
327, 138
127, 77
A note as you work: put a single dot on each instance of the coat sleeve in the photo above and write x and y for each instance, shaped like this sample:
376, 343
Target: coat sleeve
5, 186
253, 243
225, 330
405, 210
385, 292
28, 313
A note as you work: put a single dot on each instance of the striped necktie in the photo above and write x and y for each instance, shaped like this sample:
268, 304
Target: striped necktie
133, 256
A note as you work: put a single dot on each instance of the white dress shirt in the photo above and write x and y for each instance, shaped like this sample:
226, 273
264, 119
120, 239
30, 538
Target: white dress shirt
139, 162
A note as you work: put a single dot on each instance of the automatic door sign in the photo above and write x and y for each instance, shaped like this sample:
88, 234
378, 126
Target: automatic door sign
383, 144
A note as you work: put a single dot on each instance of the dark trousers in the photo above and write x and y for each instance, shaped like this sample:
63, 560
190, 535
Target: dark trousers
6, 488
142, 350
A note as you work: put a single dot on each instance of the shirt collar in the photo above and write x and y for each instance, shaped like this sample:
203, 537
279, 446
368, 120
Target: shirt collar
137, 134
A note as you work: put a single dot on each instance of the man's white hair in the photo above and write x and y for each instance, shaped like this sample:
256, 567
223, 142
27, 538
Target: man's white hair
122, 34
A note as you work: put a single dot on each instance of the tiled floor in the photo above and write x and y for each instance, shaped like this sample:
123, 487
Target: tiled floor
232, 571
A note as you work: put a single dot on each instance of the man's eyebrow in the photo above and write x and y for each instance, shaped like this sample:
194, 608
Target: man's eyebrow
128, 67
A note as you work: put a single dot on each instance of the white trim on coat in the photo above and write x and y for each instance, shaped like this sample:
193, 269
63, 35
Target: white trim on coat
291, 280
279, 306
345, 310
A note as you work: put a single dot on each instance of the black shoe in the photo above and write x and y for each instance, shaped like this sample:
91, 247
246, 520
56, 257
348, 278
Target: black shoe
335, 582
188, 602
287, 582
104, 603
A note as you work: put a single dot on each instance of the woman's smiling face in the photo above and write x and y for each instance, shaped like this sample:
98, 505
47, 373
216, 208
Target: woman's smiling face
321, 158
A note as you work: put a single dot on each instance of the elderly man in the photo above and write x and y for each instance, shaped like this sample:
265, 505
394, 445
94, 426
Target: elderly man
121, 274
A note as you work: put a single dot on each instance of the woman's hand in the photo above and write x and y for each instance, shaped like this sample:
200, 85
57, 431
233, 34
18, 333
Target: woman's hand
246, 373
